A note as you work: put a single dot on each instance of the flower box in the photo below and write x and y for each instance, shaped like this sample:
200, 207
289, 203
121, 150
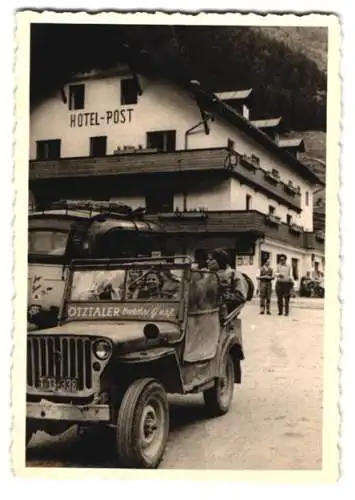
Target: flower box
295, 228
272, 177
273, 220
320, 235
291, 189
249, 162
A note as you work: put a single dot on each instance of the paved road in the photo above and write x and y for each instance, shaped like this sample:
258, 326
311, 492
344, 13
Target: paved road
275, 421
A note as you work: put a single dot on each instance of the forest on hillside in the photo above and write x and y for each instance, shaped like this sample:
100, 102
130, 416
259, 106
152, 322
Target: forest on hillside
285, 81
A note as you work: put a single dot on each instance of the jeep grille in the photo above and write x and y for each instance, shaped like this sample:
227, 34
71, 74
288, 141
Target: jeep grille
59, 357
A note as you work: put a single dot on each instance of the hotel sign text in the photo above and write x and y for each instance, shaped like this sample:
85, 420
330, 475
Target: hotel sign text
95, 118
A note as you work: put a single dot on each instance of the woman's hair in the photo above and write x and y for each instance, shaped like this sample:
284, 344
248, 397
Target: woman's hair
221, 257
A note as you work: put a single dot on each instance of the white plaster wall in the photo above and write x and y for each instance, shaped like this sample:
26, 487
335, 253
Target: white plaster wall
216, 197
160, 107
259, 202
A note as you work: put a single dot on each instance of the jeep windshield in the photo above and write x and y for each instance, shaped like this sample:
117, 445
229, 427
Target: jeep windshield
126, 285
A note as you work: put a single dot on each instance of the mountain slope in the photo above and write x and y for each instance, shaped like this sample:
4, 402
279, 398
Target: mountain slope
312, 42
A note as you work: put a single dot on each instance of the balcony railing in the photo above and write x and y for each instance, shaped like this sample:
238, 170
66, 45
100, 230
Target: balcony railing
126, 163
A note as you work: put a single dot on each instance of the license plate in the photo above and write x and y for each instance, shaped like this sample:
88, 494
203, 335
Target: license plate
58, 385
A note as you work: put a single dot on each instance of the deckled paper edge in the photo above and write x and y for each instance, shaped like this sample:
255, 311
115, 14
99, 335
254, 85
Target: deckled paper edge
331, 416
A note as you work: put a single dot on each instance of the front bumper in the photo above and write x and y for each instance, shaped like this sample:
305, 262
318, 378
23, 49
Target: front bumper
45, 410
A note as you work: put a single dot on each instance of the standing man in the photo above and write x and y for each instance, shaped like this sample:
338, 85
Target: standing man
284, 285
265, 277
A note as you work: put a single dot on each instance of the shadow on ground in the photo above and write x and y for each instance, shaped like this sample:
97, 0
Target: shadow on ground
96, 449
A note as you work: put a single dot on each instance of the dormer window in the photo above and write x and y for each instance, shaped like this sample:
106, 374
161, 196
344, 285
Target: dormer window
76, 96
129, 91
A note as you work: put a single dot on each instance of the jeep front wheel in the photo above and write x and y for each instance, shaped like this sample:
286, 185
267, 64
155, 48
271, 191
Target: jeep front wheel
219, 398
142, 424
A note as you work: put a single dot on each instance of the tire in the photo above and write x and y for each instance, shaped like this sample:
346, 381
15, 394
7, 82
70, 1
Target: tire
142, 425
219, 398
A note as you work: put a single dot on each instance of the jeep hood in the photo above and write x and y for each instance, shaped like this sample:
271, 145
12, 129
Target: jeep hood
124, 331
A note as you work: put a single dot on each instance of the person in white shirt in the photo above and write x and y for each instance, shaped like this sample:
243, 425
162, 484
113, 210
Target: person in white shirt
284, 285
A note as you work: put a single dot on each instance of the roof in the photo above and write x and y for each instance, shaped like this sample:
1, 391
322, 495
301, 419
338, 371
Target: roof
267, 123
234, 95
233, 117
292, 142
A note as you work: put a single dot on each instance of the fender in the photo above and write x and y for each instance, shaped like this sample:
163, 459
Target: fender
160, 362
232, 345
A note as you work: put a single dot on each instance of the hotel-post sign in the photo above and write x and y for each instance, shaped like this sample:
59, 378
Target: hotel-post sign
97, 118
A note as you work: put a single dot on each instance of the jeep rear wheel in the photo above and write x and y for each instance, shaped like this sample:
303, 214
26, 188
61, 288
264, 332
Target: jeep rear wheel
142, 424
219, 398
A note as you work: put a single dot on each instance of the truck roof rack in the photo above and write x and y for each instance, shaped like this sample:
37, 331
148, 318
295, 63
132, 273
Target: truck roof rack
133, 261
103, 207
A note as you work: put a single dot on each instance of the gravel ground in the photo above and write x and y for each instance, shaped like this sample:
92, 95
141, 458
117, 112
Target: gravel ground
275, 421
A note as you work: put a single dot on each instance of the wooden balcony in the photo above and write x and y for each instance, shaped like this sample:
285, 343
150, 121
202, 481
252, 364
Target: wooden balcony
252, 223
178, 163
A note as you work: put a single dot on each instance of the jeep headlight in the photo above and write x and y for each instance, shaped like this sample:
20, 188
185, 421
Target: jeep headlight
102, 349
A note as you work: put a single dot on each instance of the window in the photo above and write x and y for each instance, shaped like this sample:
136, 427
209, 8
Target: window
76, 96
129, 91
230, 144
158, 202
47, 242
98, 146
289, 219
162, 141
248, 202
307, 198
294, 266
48, 150
271, 210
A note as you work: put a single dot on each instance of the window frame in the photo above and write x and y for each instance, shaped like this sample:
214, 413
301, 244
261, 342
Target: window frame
165, 138
306, 198
248, 202
48, 155
72, 104
129, 95
159, 201
92, 141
